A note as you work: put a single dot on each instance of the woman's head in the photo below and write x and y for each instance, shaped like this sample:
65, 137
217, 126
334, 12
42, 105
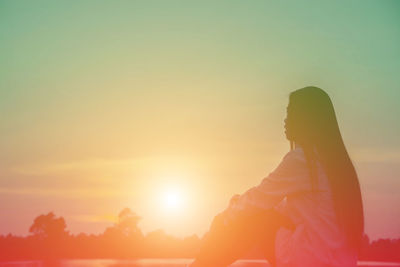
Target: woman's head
311, 123
309, 113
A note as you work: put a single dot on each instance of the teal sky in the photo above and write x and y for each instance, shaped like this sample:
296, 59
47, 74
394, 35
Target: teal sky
87, 87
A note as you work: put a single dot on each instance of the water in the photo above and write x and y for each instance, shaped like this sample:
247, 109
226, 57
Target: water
155, 263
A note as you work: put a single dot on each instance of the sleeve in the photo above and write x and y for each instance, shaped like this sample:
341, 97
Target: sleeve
290, 177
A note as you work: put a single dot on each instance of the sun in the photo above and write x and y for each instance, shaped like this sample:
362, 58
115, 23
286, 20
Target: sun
172, 200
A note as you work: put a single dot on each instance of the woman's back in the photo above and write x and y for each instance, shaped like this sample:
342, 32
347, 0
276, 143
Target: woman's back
315, 185
317, 239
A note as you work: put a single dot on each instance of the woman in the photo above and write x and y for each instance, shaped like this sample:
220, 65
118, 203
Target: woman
315, 185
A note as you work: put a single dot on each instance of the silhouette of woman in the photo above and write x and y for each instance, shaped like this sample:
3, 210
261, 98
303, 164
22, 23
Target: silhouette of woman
315, 186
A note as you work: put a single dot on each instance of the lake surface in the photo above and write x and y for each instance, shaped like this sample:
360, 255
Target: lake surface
154, 263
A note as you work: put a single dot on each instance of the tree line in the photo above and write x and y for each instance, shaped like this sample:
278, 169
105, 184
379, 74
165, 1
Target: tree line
49, 239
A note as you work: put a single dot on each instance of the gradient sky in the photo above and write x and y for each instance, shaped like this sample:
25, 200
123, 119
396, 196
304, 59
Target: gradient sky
109, 104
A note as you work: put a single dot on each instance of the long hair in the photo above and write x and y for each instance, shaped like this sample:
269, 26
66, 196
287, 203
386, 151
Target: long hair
311, 123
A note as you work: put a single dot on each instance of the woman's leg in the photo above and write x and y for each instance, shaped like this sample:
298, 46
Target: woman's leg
224, 244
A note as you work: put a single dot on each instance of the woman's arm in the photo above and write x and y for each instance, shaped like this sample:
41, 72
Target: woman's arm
291, 176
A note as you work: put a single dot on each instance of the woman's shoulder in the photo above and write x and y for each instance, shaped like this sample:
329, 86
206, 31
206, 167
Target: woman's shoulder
294, 158
293, 165
290, 176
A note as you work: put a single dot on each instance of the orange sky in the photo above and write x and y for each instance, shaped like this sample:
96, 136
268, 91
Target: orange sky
116, 106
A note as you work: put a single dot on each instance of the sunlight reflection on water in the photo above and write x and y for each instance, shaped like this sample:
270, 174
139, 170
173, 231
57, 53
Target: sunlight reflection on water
153, 263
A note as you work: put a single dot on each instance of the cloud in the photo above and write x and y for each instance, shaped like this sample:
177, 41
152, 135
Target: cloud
95, 218
64, 193
376, 155
97, 164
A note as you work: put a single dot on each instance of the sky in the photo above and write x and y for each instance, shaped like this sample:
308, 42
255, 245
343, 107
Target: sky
171, 107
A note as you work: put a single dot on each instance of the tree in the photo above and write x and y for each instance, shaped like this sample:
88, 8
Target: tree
49, 227
124, 238
128, 223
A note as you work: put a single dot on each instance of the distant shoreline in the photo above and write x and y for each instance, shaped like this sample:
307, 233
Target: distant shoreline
152, 262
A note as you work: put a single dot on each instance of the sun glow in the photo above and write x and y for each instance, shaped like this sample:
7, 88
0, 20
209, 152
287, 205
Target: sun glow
172, 200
